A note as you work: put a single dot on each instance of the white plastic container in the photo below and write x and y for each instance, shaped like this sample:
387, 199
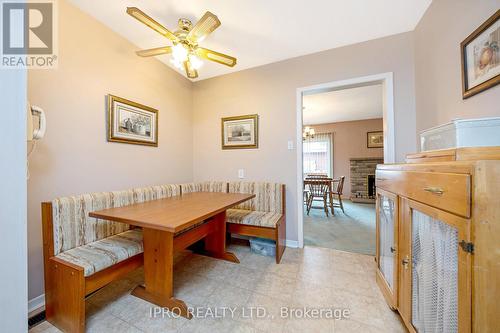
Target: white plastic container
482, 132
265, 247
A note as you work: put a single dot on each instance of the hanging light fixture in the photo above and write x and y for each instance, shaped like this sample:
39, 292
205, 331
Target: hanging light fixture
308, 133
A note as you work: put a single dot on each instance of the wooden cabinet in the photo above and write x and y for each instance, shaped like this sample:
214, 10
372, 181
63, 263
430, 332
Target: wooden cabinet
438, 242
435, 269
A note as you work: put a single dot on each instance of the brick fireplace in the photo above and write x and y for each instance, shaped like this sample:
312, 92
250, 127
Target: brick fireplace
362, 176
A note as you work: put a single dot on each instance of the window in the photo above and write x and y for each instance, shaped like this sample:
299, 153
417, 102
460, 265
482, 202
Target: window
317, 154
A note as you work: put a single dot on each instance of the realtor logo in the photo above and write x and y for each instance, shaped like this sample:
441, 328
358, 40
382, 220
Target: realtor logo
29, 38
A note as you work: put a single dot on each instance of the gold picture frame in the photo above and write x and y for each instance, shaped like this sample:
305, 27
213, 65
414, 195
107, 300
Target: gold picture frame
375, 139
131, 122
240, 132
480, 55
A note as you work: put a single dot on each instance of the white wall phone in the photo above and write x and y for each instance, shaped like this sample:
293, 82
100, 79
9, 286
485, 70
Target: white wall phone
32, 132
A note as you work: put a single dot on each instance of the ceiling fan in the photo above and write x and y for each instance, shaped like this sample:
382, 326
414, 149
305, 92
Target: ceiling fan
186, 52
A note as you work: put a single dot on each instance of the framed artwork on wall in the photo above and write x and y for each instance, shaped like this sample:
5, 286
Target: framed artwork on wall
375, 139
241, 132
481, 58
131, 122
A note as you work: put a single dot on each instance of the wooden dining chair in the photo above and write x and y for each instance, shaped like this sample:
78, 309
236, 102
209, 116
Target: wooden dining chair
319, 190
336, 194
312, 176
316, 175
305, 193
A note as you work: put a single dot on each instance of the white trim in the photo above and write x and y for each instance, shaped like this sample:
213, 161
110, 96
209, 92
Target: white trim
36, 305
300, 171
13, 194
388, 115
389, 130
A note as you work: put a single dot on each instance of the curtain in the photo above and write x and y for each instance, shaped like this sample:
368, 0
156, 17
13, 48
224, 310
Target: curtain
317, 154
386, 237
434, 275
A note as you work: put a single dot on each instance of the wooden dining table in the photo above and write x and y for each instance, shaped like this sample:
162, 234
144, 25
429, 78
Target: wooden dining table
170, 225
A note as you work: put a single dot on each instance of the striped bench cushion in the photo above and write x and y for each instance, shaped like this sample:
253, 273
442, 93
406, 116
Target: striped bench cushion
208, 186
104, 253
268, 196
253, 217
73, 227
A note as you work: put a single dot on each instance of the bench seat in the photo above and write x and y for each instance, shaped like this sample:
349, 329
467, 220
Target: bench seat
253, 217
104, 253
263, 216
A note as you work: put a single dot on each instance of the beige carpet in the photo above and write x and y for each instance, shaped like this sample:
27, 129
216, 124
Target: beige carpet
353, 231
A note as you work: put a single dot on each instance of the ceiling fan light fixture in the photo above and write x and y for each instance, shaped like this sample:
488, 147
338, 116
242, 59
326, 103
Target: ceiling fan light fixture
186, 53
196, 63
177, 64
179, 53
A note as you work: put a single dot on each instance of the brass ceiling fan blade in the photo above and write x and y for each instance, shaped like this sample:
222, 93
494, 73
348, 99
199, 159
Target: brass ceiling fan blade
154, 52
190, 71
206, 25
218, 57
144, 18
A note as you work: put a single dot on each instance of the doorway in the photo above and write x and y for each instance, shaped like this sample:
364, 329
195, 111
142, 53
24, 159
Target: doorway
352, 228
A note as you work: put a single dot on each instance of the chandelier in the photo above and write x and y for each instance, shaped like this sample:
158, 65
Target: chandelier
308, 133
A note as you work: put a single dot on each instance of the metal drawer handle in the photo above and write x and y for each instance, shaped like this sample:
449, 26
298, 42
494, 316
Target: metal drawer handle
434, 190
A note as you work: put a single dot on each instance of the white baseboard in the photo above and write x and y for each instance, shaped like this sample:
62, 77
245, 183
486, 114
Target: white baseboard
36, 305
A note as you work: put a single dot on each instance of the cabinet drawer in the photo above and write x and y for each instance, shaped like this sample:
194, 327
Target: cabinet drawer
447, 191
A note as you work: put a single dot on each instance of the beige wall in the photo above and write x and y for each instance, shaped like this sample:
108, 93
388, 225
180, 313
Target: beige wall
270, 91
437, 63
349, 141
74, 157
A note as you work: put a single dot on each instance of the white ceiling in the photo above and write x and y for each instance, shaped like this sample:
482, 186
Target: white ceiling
343, 105
259, 32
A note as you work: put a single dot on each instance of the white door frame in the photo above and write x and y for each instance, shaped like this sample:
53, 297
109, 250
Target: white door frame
13, 198
386, 79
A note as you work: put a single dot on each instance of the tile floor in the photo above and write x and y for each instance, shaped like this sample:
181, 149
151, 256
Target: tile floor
352, 231
313, 278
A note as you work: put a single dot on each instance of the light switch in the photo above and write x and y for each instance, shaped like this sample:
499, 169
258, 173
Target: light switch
290, 144
241, 173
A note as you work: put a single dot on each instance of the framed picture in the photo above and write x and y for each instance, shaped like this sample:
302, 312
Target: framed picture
240, 132
131, 122
481, 58
375, 139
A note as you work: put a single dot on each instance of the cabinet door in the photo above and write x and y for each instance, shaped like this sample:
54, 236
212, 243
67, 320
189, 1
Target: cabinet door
386, 251
435, 269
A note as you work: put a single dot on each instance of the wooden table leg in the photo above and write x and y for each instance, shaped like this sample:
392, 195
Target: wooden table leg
215, 242
158, 272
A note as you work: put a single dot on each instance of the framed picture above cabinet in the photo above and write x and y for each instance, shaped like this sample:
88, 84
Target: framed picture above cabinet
480, 53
